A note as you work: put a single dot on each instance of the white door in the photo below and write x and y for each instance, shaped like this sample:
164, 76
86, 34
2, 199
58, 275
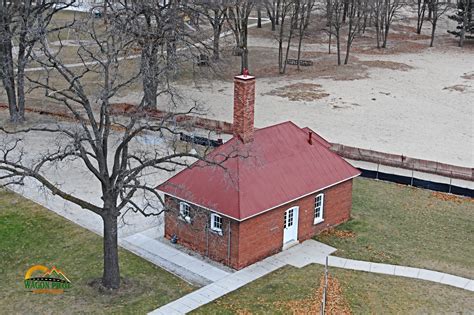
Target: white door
290, 227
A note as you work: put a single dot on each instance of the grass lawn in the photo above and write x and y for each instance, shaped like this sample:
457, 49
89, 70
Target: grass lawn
392, 224
408, 226
290, 290
31, 235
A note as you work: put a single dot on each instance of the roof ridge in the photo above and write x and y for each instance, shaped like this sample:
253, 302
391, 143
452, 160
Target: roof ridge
271, 126
192, 165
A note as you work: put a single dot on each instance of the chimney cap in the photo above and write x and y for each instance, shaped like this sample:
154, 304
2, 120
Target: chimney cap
244, 77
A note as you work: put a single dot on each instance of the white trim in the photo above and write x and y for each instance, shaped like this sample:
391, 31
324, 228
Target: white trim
244, 77
218, 230
294, 226
321, 217
197, 205
182, 216
317, 221
299, 198
261, 212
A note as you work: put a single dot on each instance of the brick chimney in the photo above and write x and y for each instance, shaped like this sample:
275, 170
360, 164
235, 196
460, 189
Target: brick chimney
244, 107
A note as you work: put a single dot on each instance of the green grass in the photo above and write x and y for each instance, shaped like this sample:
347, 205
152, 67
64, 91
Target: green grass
408, 226
369, 293
392, 224
365, 293
30, 235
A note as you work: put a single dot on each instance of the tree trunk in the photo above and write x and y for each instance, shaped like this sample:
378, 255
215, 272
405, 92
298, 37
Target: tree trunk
149, 64
296, 13
272, 20
421, 15
8, 79
338, 46
244, 48
288, 47
300, 42
259, 17
349, 41
344, 13
433, 30
280, 56
217, 35
244, 60
377, 31
111, 277
385, 35
277, 15
330, 39
20, 88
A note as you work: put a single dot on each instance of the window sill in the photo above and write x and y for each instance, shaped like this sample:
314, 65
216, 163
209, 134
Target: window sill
317, 221
218, 232
186, 219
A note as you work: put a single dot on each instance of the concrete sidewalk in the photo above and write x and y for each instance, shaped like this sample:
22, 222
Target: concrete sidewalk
190, 268
300, 256
402, 271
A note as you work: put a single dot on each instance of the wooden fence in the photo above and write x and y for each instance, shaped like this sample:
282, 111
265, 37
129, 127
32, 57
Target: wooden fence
354, 153
401, 161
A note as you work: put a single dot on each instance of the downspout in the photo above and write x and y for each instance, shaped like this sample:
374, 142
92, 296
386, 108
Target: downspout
229, 243
207, 237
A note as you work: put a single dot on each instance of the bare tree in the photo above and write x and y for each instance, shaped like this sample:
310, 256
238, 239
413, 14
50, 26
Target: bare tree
238, 17
285, 29
100, 140
259, 14
420, 10
271, 7
357, 10
384, 13
306, 7
215, 13
150, 23
158, 28
377, 9
23, 22
438, 8
335, 10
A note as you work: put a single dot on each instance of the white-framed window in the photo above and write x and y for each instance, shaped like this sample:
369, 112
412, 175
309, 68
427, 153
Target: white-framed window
289, 218
318, 208
185, 211
216, 223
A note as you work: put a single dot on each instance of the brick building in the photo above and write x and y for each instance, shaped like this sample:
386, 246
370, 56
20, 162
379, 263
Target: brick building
263, 191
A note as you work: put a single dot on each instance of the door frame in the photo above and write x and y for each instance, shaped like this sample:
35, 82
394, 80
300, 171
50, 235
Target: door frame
294, 227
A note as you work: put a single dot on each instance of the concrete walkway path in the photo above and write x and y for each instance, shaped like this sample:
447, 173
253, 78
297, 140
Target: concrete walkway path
190, 268
300, 256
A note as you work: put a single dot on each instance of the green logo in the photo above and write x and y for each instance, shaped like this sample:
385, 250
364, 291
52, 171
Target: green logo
41, 279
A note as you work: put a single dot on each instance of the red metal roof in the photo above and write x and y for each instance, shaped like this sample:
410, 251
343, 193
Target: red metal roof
277, 167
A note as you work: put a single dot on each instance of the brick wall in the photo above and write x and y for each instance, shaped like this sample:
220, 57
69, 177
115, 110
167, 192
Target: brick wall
262, 235
198, 237
337, 209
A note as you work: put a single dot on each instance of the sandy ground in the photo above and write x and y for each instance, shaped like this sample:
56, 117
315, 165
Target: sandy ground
416, 104
413, 112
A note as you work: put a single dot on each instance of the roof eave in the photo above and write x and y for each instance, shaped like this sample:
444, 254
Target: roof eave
269, 209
